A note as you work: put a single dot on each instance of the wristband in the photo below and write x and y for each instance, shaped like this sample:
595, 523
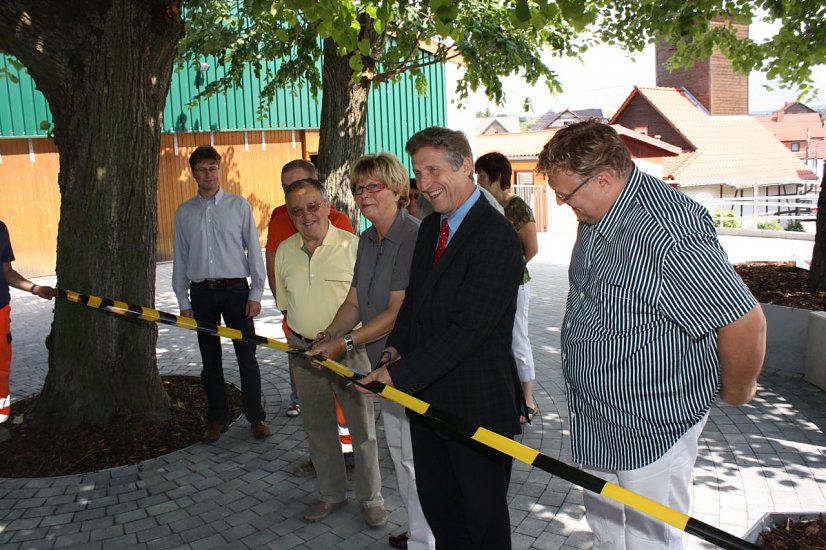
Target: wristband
32, 290
348, 342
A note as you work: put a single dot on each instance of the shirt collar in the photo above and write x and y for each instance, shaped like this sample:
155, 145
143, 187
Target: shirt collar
458, 216
612, 221
395, 233
216, 197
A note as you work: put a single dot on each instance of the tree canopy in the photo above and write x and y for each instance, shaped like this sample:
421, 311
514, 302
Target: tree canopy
381, 39
497, 38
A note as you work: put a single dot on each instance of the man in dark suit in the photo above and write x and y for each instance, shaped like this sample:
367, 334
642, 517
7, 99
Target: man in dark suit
451, 345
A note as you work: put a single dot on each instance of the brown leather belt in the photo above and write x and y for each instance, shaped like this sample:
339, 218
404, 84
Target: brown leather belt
302, 338
218, 283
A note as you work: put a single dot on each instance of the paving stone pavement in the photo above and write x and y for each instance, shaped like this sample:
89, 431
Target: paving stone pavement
769, 455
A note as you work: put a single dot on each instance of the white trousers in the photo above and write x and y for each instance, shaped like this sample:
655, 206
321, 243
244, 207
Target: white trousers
522, 352
397, 432
667, 481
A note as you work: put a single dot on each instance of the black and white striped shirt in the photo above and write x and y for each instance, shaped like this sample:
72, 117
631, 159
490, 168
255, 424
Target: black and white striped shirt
649, 286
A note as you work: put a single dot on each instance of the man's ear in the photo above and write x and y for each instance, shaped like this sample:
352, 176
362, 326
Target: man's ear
605, 178
467, 167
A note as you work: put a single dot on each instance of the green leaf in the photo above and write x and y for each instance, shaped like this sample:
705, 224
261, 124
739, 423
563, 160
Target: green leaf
523, 12
356, 63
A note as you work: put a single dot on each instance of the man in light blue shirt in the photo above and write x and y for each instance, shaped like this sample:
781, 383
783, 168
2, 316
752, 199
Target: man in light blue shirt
216, 250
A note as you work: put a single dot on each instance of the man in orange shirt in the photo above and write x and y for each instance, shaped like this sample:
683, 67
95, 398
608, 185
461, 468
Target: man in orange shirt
280, 228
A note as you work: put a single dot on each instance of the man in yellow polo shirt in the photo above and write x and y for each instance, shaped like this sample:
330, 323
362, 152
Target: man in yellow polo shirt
313, 272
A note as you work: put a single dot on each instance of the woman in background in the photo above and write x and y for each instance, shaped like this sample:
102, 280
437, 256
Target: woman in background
493, 173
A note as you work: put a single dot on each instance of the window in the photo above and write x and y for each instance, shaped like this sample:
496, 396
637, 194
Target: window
524, 178
795, 147
641, 129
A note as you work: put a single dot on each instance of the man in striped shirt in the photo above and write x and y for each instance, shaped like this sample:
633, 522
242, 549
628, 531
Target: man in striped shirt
657, 323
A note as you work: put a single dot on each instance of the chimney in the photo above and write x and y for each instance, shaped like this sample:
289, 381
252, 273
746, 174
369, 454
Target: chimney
712, 80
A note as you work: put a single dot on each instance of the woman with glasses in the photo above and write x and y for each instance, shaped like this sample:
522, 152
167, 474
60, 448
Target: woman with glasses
380, 186
493, 173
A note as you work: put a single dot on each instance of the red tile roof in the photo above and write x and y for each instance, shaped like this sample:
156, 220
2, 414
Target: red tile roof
528, 145
525, 145
799, 127
724, 147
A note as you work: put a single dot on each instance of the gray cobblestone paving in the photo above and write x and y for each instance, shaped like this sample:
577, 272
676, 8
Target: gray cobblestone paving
769, 455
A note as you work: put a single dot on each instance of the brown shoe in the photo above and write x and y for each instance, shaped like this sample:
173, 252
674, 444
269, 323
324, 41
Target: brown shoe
260, 430
375, 516
320, 509
213, 432
304, 468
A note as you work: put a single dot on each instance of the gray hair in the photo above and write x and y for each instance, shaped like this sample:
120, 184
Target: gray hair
453, 142
304, 183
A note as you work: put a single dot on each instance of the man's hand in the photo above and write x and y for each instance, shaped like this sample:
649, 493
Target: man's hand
378, 375
188, 313
323, 345
45, 292
388, 355
253, 309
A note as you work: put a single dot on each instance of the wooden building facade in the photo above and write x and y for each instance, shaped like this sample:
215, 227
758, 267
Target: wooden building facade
253, 149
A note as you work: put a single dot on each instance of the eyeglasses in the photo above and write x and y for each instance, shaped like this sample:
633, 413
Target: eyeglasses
569, 196
312, 208
210, 170
372, 187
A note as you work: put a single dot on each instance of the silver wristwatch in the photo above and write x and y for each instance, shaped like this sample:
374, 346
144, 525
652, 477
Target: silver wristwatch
348, 342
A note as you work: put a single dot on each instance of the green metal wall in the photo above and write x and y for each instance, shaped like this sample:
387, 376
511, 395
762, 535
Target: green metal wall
22, 106
395, 110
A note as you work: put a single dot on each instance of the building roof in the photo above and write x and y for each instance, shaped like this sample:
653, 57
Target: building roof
797, 123
527, 145
488, 125
521, 146
731, 147
544, 122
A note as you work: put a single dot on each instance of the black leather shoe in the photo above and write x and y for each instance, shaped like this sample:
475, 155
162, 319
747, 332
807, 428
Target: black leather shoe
400, 540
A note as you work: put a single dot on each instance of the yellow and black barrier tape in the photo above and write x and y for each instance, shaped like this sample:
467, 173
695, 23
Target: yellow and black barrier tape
484, 436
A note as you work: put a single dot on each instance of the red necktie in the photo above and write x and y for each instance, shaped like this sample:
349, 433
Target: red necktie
443, 233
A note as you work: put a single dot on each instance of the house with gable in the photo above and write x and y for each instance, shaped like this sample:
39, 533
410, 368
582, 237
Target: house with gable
725, 153
497, 125
735, 149
800, 129
554, 119
522, 150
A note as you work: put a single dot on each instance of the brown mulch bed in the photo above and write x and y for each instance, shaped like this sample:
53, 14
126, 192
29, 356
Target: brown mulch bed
90, 448
782, 284
796, 535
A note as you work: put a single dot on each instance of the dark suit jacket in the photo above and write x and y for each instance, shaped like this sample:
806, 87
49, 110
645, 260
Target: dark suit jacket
454, 328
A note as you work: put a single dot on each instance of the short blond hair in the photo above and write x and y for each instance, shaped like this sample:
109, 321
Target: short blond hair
386, 168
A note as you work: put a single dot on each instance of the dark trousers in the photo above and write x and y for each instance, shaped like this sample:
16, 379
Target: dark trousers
463, 488
209, 305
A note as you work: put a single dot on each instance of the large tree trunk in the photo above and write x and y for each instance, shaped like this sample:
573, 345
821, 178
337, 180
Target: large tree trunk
105, 67
817, 271
343, 127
